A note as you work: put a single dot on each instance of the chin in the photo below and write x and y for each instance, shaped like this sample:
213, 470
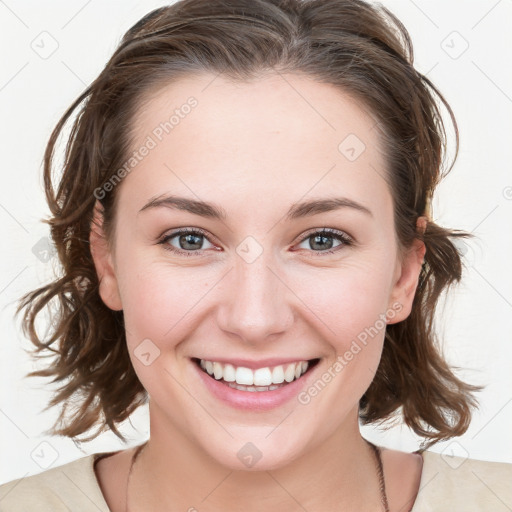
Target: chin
257, 452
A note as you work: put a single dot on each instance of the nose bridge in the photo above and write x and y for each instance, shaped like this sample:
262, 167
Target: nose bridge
255, 305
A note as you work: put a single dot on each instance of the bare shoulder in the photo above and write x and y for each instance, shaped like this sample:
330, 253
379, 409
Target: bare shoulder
396, 458
402, 474
112, 474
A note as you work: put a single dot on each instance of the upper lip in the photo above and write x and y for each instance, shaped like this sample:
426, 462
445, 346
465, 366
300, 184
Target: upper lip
261, 363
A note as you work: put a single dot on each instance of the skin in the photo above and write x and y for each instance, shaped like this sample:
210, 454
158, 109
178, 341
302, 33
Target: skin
254, 149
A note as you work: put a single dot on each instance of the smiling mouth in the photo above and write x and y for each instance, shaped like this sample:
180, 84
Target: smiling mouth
260, 379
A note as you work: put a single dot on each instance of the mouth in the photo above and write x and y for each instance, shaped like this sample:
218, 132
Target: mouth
258, 379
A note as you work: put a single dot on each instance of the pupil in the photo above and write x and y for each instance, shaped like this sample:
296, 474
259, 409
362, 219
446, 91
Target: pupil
323, 245
185, 239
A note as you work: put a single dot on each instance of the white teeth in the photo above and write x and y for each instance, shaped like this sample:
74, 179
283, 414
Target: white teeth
217, 370
229, 373
289, 373
249, 388
261, 379
244, 376
278, 375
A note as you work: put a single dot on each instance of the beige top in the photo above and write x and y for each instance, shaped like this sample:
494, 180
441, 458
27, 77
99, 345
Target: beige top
447, 484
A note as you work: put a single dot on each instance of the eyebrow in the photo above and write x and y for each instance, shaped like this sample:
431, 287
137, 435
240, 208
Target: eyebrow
296, 211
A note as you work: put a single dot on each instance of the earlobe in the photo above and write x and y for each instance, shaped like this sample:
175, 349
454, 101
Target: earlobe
404, 289
102, 258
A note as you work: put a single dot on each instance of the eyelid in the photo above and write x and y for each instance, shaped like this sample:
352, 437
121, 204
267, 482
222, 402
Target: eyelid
346, 241
344, 238
163, 239
189, 229
328, 231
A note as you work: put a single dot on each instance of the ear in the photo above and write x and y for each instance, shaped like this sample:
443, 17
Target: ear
407, 275
103, 261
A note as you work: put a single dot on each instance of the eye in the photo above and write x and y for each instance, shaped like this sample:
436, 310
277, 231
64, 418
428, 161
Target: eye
320, 241
188, 240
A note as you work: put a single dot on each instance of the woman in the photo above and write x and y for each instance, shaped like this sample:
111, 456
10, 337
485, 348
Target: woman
243, 222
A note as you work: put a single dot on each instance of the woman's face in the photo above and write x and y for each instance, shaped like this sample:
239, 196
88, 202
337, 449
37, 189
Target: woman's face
254, 287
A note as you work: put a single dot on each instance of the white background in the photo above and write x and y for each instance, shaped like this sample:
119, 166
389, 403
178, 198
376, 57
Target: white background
476, 196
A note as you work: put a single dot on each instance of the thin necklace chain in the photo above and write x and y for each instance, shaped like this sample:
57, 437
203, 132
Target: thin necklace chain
382, 483
376, 451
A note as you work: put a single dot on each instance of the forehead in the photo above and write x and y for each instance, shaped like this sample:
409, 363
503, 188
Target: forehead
284, 135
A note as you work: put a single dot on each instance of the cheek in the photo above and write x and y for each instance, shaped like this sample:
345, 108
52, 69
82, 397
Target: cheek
156, 301
156, 296
348, 301
162, 307
163, 302
350, 308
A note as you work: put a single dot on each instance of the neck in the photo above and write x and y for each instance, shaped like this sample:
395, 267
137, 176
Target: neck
173, 473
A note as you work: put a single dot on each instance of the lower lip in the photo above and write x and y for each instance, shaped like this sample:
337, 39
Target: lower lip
254, 400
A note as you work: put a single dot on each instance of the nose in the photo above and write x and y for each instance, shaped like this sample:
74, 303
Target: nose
256, 302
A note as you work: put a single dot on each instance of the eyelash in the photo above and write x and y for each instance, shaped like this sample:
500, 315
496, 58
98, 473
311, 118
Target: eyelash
338, 235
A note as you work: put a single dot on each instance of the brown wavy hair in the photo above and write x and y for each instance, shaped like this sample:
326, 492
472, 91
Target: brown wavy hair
361, 48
